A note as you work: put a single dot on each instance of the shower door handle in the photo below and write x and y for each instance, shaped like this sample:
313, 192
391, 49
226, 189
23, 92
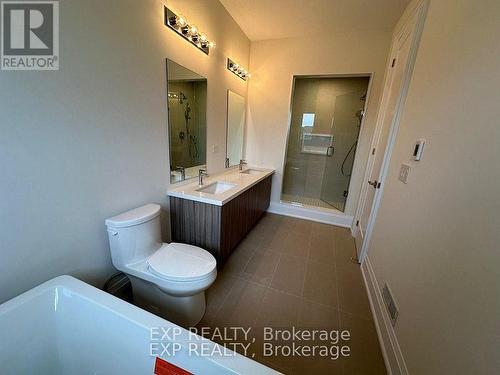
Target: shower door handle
329, 151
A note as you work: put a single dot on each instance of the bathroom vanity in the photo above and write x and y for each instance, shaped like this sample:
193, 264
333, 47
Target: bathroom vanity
218, 214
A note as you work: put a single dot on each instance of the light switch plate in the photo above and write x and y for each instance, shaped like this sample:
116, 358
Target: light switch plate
404, 172
215, 149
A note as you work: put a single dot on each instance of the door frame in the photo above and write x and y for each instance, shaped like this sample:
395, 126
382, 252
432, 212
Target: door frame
368, 75
420, 12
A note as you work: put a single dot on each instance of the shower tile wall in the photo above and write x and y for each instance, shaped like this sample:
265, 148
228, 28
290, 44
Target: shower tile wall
195, 93
304, 173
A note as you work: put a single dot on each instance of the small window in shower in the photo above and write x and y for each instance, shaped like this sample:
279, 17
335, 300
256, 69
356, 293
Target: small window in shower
308, 120
325, 122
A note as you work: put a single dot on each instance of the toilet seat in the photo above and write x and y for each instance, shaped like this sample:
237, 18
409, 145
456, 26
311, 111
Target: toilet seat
182, 262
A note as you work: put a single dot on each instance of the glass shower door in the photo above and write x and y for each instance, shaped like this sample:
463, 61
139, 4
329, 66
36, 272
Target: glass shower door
324, 127
339, 160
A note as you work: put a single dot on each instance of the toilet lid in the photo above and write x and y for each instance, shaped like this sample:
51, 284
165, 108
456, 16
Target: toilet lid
182, 261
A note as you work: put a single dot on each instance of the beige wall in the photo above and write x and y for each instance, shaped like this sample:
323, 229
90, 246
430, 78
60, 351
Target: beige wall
437, 239
273, 64
90, 140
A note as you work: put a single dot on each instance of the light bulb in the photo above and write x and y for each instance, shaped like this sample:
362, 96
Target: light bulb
203, 37
194, 30
211, 44
181, 20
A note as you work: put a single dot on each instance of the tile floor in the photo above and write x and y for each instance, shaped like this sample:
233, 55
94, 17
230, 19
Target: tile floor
290, 272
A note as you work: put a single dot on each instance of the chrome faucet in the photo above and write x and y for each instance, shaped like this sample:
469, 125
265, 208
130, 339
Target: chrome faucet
242, 162
201, 173
183, 172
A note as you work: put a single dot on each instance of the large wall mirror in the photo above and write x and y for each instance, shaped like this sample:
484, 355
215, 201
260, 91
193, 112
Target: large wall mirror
187, 121
235, 128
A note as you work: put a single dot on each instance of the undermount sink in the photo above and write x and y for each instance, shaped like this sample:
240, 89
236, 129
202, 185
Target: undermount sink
217, 187
252, 171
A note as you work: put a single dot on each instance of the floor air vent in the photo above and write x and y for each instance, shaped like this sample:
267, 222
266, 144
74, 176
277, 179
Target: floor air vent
390, 304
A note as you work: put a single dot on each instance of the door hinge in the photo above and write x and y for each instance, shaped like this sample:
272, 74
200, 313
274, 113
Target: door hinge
376, 184
373, 151
393, 63
357, 223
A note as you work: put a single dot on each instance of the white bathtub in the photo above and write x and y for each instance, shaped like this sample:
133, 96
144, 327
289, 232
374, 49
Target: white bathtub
66, 326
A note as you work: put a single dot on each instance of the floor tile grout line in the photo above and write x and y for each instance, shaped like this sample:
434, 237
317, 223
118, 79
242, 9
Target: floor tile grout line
266, 290
321, 304
337, 280
284, 292
224, 300
254, 323
275, 269
232, 286
307, 265
356, 315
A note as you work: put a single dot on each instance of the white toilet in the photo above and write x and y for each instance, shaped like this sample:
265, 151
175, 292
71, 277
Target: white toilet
167, 279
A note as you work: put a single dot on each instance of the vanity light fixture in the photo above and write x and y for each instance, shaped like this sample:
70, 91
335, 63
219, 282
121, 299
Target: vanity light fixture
237, 69
191, 33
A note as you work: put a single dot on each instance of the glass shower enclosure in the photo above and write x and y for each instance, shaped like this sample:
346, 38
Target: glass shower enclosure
326, 118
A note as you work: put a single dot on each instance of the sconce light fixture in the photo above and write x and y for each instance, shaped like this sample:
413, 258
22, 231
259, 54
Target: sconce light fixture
190, 32
237, 69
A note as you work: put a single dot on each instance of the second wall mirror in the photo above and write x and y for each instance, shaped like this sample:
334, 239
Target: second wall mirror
236, 107
187, 121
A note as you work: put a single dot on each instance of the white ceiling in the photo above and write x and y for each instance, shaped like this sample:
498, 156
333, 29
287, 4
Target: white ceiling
275, 19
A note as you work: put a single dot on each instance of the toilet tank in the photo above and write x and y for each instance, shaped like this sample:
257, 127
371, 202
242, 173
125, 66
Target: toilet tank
134, 235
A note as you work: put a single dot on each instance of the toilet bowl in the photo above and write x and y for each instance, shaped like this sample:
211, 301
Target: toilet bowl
168, 280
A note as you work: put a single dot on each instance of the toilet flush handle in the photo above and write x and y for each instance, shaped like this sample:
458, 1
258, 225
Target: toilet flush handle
112, 232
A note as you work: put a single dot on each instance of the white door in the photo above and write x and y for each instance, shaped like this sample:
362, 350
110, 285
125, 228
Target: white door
403, 53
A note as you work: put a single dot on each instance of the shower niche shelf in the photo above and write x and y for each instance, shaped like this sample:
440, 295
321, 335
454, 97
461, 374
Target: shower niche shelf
317, 144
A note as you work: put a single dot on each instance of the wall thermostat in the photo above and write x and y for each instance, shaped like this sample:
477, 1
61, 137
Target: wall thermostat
419, 148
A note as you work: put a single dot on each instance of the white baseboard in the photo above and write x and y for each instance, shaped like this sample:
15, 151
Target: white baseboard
321, 215
393, 357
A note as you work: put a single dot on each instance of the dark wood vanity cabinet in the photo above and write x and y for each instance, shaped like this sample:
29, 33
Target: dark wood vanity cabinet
219, 229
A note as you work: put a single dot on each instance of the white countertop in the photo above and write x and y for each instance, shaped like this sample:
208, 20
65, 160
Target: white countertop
242, 182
